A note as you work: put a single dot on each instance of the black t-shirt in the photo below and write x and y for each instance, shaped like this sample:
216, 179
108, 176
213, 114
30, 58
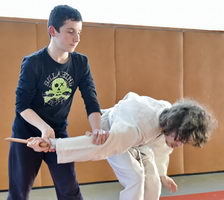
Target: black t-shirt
48, 88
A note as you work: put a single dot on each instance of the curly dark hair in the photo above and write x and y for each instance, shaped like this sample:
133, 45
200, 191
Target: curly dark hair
189, 120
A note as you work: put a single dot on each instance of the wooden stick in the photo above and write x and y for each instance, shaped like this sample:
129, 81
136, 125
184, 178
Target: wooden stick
42, 144
16, 140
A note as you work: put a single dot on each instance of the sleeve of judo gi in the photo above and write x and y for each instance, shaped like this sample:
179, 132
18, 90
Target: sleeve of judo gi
161, 152
123, 135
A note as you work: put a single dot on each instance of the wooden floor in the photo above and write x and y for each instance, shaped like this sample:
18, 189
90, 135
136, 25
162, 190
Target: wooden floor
190, 187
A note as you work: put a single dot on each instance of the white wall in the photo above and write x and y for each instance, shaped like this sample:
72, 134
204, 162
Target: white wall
196, 14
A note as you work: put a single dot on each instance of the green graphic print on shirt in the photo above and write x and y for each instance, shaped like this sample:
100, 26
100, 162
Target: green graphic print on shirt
60, 88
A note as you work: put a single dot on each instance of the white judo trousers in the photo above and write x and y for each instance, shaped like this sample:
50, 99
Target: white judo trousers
133, 122
138, 174
139, 170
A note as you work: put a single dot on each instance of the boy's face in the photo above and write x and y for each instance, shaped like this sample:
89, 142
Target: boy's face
67, 39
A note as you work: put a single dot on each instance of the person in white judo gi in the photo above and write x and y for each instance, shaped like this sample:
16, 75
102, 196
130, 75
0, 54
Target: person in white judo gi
143, 132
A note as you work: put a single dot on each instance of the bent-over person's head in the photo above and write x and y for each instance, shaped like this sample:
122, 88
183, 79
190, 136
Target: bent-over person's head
186, 122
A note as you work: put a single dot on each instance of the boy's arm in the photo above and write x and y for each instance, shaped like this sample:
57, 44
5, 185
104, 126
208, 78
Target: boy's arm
25, 93
99, 135
88, 92
34, 119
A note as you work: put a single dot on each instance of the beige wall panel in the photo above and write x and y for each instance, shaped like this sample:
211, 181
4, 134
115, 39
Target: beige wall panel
203, 80
98, 44
95, 171
176, 163
46, 179
42, 35
149, 62
17, 40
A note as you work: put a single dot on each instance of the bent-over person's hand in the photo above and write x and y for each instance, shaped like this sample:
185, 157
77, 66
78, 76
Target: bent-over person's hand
169, 183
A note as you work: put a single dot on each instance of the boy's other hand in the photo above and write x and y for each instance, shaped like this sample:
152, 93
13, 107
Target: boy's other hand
99, 136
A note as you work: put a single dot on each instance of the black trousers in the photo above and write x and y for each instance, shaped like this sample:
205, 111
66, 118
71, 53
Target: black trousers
24, 164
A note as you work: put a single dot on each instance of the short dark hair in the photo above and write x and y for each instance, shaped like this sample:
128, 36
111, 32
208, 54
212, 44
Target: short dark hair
61, 13
189, 120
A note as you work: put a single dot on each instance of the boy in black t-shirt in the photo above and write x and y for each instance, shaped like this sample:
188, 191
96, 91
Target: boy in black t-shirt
47, 83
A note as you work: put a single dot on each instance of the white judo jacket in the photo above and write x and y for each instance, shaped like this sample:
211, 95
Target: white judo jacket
134, 121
